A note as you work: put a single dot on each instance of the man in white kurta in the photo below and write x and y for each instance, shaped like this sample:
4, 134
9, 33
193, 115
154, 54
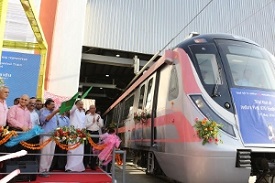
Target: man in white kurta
77, 119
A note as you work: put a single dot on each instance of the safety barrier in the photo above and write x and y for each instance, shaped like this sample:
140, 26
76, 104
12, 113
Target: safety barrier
123, 165
113, 168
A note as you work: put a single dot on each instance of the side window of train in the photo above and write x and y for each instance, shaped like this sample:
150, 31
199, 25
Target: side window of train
141, 97
150, 93
128, 106
173, 85
115, 116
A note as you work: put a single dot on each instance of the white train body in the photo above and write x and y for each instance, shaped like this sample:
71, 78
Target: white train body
172, 93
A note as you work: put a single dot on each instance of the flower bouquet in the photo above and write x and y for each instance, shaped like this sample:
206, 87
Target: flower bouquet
70, 134
208, 131
141, 117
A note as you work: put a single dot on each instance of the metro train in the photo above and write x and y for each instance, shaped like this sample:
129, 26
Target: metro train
222, 77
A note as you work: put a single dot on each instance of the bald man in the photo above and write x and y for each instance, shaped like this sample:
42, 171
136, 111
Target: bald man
19, 116
19, 119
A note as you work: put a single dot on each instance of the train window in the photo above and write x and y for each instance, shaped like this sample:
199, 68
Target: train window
141, 96
173, 85
149, 97
250, 65
128, 106
208, 68
115, 115
242, 71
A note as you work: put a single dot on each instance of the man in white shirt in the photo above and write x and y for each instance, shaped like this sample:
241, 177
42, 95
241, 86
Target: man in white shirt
33, 113
35, 121
93, 123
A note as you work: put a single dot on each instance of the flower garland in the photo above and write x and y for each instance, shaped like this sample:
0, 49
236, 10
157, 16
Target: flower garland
66, 138
141, 117
35, 146
207, 130
118, 159
67, 146
96, 146
6, 134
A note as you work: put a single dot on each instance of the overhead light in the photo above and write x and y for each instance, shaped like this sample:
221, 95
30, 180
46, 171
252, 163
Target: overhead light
107, 75
101, 88
117, 55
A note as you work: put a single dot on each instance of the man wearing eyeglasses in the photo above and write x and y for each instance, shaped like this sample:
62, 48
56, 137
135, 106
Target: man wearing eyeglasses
49, 122
33, 114
34, 122
19, 116
19, 120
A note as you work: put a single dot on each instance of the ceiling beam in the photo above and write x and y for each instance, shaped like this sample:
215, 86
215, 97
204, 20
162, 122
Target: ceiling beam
107, 60
96, 95
98, 85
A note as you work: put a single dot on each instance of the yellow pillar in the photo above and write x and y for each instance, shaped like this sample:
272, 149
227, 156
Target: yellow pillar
3, 15
41, 77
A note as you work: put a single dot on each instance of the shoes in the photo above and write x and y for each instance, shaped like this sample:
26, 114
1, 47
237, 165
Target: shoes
44, 174
68, 170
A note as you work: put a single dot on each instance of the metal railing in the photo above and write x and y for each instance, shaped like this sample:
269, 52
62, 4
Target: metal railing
113, 167
123, 165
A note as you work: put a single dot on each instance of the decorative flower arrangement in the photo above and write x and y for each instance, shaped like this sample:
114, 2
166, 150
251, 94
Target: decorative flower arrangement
141, 117
70, 134
6, 134
4, 131
61, 136
208, 131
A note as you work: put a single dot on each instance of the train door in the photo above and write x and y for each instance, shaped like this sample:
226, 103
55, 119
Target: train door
143, 113
148, 104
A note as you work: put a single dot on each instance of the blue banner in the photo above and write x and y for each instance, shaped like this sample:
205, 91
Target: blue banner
19, 72
256, 115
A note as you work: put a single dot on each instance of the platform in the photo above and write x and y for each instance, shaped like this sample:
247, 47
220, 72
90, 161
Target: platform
89, 176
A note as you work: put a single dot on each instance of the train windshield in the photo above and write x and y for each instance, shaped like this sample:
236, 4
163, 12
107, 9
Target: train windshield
250, 66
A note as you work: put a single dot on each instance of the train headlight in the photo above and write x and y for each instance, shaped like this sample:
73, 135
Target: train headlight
209, 113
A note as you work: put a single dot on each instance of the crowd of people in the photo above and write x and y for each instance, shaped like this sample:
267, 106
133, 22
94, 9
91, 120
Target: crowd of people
28, 112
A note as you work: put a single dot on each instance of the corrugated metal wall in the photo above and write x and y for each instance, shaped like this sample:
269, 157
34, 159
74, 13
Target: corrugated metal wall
147, 25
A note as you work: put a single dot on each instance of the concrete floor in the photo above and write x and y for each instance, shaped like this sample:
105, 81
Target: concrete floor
137, 175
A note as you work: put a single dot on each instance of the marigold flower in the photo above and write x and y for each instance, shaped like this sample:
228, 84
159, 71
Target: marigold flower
203, 122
